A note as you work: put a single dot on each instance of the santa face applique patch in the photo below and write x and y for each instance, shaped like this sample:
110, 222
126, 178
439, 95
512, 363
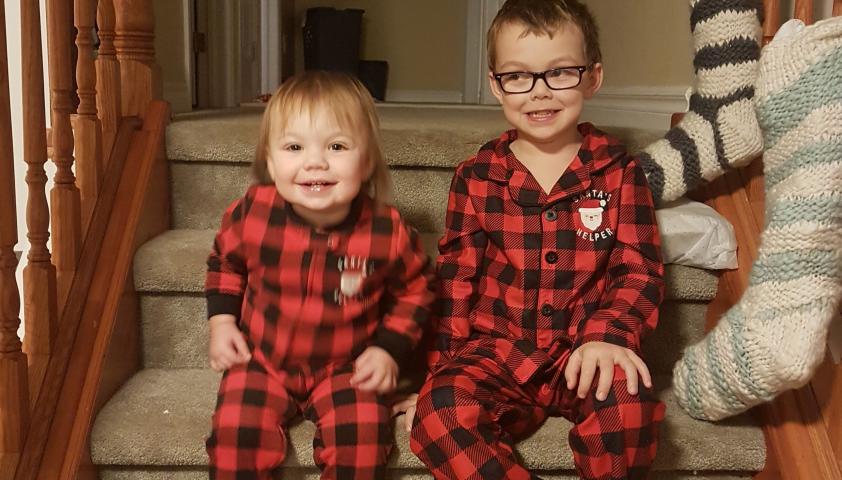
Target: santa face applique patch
590, 216
353, 271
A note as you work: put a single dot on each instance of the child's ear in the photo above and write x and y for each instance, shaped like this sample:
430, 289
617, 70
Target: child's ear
495, 87
594, 80
267, 161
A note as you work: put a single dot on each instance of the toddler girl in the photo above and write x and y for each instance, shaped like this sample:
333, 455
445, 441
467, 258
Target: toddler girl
317, 291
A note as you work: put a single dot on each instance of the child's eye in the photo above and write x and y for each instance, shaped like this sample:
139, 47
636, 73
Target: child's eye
293, 147
337, 147
516, 77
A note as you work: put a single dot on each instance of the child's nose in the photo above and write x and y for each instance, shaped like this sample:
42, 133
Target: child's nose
315, 160
541, 89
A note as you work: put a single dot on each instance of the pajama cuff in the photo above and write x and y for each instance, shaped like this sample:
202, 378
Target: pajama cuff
395, 344
221, 303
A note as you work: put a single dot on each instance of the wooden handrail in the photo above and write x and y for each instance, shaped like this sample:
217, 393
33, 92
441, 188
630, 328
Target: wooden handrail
67, 440
55, 378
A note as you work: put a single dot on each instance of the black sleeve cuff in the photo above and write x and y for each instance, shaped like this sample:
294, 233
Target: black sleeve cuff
396, 345
220, 303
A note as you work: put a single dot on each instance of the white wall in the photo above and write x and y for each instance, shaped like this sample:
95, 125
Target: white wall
13, 42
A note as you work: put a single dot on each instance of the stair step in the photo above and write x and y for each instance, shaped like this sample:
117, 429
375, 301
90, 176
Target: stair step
175, 332
169, 274
202, 191
412, 135
109, 472
211, 154
175, 262
160, 418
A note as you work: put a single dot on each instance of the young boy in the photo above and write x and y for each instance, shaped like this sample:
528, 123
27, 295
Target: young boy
550, 272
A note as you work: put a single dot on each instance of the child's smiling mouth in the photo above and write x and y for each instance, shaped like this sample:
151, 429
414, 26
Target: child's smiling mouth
542, 115
316, 185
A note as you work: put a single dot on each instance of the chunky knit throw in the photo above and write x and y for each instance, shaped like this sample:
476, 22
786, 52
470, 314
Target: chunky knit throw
775, 337
720, 131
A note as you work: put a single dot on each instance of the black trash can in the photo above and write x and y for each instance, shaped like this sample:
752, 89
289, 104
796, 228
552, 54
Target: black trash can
332, 39
373, 74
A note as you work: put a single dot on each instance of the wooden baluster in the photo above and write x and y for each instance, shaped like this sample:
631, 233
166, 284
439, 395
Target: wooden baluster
65, 213
107, 78
134, 41
837, 8
39, 276
86, 127
772, 19
803, 11
14, 389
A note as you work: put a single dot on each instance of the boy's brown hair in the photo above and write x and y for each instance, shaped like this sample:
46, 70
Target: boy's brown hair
544, 17
343, 96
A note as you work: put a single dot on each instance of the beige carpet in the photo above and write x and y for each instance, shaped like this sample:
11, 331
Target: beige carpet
153, 428
412, 136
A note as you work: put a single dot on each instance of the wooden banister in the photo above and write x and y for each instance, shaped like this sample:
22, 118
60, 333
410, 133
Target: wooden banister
65, 202
39, 276
113, 164
14, 389
56, 377
86, 127
771, 19
107, 76
837, 8
135, 44
804, 11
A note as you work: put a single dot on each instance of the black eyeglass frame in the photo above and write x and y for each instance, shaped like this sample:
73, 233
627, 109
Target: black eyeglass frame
542, 75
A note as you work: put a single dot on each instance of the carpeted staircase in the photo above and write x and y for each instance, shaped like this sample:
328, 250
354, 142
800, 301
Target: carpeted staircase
154, 427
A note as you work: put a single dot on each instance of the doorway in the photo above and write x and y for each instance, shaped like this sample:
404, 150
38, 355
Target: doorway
242, 49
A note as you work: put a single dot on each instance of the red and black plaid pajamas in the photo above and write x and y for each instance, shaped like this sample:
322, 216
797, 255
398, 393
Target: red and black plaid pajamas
309, 302
525, 278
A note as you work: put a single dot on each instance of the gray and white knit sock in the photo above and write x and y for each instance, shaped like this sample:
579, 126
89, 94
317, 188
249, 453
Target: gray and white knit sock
774, 338
720, 131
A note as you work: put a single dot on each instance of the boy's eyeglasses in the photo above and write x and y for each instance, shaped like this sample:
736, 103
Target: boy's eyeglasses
562, 78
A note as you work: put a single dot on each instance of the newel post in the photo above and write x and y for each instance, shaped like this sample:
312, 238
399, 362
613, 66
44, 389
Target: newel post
135, 44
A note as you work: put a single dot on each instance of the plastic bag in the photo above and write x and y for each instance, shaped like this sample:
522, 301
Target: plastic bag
696, 235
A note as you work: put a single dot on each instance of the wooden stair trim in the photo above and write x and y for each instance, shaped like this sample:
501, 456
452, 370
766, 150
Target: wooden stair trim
94, 251
68, 438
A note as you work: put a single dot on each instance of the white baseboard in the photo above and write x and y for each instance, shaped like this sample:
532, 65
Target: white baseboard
638, 107
424, 96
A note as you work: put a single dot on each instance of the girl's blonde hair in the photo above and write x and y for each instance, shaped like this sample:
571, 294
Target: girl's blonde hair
353, 107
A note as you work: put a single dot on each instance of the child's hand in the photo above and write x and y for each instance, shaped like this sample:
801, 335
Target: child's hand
406, 405
228, 345
583, 362
375, 371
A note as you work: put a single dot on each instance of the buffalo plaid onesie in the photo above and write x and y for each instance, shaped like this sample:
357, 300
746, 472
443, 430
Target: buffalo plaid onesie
526, 278
309, 302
